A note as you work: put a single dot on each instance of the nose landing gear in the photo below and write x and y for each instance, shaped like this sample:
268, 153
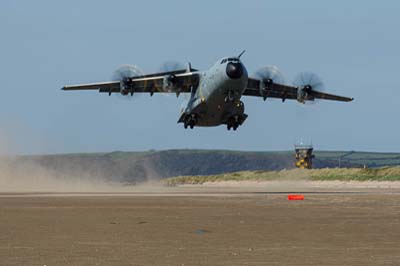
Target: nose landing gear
231, 96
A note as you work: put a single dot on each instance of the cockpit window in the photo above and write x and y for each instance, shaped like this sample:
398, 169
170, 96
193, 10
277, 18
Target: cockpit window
229, 60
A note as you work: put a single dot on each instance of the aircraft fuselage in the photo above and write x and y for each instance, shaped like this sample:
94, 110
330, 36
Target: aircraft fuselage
216, 100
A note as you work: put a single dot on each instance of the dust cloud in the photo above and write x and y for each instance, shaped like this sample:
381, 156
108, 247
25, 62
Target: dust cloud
23, 174
16, 176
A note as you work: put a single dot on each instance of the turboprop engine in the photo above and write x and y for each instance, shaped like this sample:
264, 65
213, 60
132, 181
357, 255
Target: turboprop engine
307, 83
304, 94
268, 75
169, 82
124, 75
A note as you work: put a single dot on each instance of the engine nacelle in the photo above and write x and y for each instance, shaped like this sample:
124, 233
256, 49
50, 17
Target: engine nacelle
304, 94
169, 82
125, 86
264, 86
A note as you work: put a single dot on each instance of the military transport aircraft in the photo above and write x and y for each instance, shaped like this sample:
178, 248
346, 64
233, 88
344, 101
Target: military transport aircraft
215, 94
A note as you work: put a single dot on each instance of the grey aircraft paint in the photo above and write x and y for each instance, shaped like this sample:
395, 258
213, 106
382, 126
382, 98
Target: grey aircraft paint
217, 97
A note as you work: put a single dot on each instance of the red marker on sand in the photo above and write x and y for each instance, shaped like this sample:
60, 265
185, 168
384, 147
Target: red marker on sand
295, 197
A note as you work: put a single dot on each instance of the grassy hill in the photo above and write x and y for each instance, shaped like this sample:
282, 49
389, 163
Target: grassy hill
131, 167
327, 174
370, 159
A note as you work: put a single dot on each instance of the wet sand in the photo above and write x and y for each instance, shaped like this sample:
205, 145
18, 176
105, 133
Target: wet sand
201, 226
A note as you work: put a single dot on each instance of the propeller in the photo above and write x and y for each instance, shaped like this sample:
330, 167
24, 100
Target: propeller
307, 82
268, 75
171, 66
125, 72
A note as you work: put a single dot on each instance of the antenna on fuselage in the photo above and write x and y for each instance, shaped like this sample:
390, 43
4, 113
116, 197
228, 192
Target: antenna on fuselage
241, 53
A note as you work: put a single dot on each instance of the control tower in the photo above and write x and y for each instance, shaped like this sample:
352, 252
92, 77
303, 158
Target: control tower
304, 156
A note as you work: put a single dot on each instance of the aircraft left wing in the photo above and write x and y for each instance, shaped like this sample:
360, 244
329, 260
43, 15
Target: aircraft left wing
165, 82
256, 87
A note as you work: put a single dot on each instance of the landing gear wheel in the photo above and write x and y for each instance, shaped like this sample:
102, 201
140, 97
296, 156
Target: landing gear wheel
233, 123
190, 121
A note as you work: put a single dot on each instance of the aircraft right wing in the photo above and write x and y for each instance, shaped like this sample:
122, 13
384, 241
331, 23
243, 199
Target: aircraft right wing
281, 91
164, 82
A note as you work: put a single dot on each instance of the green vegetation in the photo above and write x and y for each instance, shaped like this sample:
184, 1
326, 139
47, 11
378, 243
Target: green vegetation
327, 174
357, 174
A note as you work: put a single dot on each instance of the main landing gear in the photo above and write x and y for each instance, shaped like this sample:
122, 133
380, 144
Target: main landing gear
190, 121
233, 122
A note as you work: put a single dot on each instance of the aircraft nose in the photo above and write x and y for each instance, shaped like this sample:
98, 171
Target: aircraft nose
234, 70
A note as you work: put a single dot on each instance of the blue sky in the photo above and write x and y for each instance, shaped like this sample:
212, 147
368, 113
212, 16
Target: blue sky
352, 45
